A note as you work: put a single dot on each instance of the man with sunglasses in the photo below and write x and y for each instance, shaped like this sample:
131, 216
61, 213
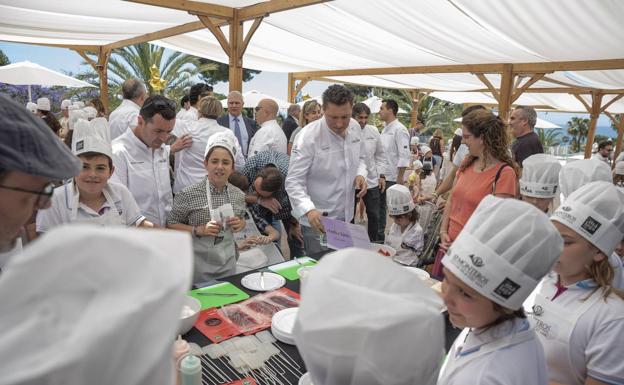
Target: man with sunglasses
141, 158
31, 158
605, 149
270, 136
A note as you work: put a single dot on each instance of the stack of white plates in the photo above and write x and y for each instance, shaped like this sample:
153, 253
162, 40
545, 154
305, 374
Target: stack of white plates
283, 323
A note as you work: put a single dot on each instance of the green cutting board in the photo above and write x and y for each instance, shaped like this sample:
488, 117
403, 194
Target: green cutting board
289, 269
208, 301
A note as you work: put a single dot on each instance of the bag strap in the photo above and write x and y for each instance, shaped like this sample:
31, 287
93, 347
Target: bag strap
498, 174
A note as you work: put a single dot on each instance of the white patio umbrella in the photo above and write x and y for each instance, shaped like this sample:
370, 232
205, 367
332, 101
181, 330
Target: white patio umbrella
252, 98
26, 73
375, 102
539, 123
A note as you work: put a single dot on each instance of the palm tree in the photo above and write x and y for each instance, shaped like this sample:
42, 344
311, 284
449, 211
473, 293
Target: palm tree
548, 138
176, 69
578, 129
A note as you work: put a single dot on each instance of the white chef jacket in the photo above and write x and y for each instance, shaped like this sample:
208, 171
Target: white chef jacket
460, 154
270, 137
597, 339
61, 207
602, 158
124, 116
190, 167
181, 114
145, 172
322, 170
516, 364
396, 141
428, 184
618, 271
375, 155
190, 114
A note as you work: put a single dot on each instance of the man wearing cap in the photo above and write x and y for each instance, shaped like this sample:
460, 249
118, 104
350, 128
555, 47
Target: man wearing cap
31, 158
125, 116
327, 164
270, 136
141, 158
522, 121
396, 142
539, 183
244, 128
64, 121
377, 169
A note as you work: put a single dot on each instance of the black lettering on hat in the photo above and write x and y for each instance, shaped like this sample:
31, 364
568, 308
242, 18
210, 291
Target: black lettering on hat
477, 261
566, 208
79, 145
507, 288
591, 225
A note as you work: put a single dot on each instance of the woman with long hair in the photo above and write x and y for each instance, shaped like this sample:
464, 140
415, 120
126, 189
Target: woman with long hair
310, 112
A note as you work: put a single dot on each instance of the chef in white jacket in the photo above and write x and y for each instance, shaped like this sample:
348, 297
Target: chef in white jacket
578, 315
579, 173
125, 116
270, 136
497, 260
327, 164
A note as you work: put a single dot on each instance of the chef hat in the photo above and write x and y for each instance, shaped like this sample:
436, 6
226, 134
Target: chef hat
91, 112
65, 104
504, 250
619, 168
225, 139
43, 104
596, 212
540, 176
399, 200
459, 132
414, 140
79, 104
83, 294
74, 116
425, 149
383, 326
417, 165
580, 172
32, 107
93, 136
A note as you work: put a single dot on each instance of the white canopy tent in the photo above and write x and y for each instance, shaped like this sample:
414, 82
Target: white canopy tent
27, 73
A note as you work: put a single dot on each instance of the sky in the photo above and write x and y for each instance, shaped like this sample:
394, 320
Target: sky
270, 83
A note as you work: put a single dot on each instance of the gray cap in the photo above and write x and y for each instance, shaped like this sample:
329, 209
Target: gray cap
29, 145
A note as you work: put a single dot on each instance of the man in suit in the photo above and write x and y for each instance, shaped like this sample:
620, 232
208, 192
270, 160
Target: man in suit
292, 121
244, 128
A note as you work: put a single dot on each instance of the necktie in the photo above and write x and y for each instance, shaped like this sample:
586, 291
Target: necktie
237, 132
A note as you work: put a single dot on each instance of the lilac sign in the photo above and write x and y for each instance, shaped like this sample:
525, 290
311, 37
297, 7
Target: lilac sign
341, 235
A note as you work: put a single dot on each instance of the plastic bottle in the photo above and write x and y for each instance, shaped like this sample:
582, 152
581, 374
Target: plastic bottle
191, 370
180, 349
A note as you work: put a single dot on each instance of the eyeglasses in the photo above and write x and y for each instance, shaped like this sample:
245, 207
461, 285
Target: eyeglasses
43, 196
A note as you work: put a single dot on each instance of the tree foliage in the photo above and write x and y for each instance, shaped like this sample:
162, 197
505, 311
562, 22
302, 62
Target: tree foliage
578, 129
4, 59
216, 72
550, 137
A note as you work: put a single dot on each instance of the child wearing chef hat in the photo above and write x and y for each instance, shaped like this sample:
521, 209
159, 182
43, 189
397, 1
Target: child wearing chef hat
497, 260
539, 183
90, 196
405, 235
578, 315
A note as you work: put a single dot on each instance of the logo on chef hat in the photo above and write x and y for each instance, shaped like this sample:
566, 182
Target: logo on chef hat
477, 261
507, 288
591, 225
79, 145
538, 310
567, 209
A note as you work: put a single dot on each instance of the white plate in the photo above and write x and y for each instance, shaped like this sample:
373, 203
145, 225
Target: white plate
422, 274
283, 323
305, 379
272, 281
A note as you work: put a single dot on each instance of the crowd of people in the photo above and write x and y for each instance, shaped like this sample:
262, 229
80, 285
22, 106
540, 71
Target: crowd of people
530, 252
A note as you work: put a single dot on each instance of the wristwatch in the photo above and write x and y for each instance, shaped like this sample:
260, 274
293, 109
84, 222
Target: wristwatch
382, 176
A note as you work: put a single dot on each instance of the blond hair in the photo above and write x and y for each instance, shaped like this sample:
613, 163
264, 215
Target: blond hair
209, 107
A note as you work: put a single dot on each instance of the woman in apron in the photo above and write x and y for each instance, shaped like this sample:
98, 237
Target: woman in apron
578, 315
212, 210
405, 235
497, 260
91, 197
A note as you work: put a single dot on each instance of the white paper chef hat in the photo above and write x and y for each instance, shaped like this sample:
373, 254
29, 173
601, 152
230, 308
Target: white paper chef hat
65, 104
43, 104
504, 250
596, 212
74, 116
459, 132
580, 172
93, 136
540, 176
619, 168
32, 107
425, 149
91, 112
417, 164
223, 139
414, 140
399, 200
364, 320
87, 303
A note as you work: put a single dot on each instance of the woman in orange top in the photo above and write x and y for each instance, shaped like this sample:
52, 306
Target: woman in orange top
488, 169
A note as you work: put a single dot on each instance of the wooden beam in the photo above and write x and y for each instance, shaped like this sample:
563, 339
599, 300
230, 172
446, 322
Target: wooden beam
615, 99
525, 86
565, 84
489, 85
74, 47
415, 96
102, 70
218, 33
612, 117
618, 142
291, 88
273, 6
520, 68
594, 115
206, 9
173, 31
504, 103
250, 33
90, 61
580, 99
236, 61
300, 86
